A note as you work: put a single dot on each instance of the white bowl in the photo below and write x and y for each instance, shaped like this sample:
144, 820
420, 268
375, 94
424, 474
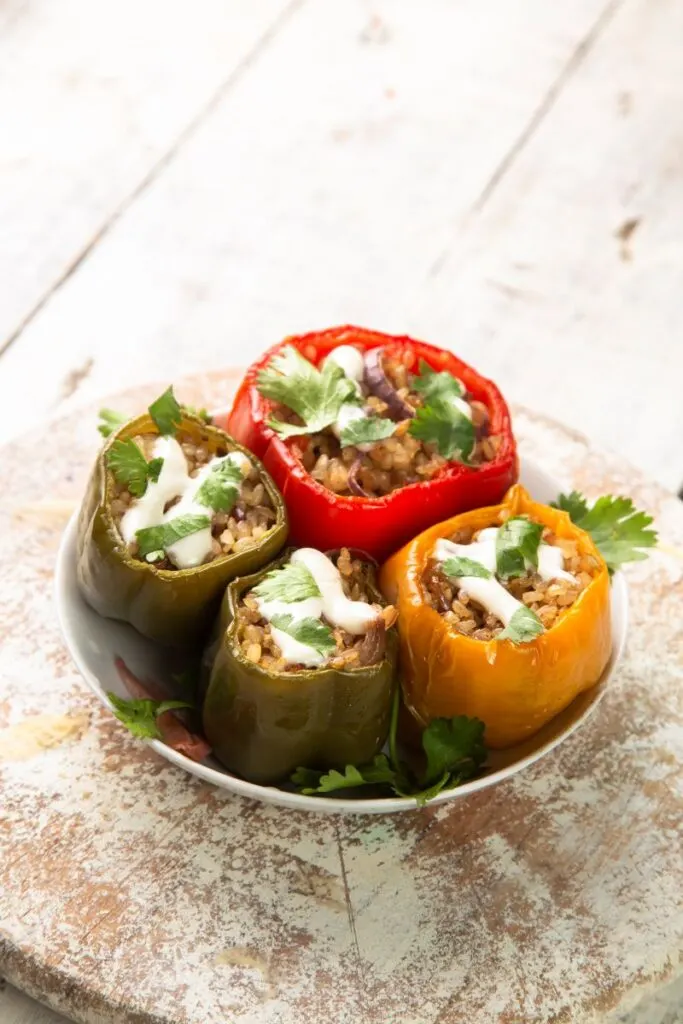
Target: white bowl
94, 643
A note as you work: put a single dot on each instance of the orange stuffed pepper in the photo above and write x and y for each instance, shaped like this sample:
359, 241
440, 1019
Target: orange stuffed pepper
504, 615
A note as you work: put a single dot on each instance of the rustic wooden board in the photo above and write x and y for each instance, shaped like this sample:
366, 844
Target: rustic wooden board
131, 893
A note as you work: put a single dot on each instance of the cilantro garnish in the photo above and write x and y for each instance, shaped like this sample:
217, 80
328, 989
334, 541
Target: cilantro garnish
441, 423
314, 395
129, 466
310, 632
166, 413
517, 544
432, 384
140, 716
453, 751
110, 421
366, 430
154, 467
153, 539
291, 583
458, 567
619, 530
522, 627
201, 414
221, 488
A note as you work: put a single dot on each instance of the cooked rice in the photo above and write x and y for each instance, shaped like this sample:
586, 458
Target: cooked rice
395, 462
550, 599
256, 641
245, 526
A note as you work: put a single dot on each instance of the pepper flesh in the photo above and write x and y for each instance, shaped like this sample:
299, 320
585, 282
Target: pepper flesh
263, 725
175, 607
513, 688
322, 519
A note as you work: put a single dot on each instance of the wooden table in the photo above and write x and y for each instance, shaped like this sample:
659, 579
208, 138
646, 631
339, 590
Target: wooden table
178, 192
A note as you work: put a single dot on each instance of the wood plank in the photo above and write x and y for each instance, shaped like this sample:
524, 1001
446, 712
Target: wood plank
321, 188
92, 99
568, 282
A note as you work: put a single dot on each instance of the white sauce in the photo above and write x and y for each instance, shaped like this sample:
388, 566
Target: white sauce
350, 360
489, 593
174, 480
353, 616
459, 403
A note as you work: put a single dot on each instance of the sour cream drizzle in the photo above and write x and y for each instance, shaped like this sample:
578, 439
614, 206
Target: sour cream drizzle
175, 481
489, 593
353, 616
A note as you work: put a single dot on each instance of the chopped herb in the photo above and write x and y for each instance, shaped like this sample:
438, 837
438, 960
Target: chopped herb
522, 627
457, 567
310, 632
140, 716
316, 396
453, 744
366, 430
432, 384
129, 466
517, 544
441, 423
110, 421
291, 583
166, 413
161, 538
221, 488
311, 781
201, 414
154, 469
620, 531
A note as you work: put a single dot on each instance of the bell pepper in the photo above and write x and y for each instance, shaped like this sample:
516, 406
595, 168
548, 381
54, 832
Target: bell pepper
513, 688
175, 607
324, 520
263, 725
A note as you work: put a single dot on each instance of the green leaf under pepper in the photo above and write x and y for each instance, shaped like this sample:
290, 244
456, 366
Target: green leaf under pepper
316, 396
221, 488
166, 413
160, 538
290, 584
621, 532
523, 626
517, 544
453, 744
379, 771
140, 716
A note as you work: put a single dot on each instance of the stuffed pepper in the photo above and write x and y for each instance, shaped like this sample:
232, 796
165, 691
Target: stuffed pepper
174, 510
301, 671
372, 438
504, 615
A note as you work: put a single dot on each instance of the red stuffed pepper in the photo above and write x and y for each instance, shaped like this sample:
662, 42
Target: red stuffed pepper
372, 438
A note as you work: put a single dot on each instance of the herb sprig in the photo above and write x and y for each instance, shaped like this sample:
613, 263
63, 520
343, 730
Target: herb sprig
366, 430
153, 539
140, 716
221, 488
457, 568
523, 626
130, 467
440, 421
621, 532
517, 544
110, 421
316, 396
311, 632
166, 413
453, 751
290, 584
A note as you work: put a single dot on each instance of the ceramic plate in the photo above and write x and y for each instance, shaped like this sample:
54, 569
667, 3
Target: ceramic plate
94, 643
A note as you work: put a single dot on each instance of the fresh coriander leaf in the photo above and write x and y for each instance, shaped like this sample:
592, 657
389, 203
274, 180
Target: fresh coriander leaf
129, 466
140, 716
166, 412
110, 421
575, 504
154, 469
316, 396
432, 384
378, 772
201, 414
619, 530
161, 538
522, 627
221, 488
366, 431
291, 583
517, 544
308, 631
458, 567
452, 744
447, 781
443, 424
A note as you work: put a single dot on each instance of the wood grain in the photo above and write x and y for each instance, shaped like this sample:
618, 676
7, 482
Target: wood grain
131, 892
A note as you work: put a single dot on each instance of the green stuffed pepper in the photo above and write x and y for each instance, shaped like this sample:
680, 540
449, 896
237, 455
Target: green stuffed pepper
302, 667
174, 510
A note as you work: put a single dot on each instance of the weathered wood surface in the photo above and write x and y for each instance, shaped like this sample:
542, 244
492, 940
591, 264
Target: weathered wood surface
131, 892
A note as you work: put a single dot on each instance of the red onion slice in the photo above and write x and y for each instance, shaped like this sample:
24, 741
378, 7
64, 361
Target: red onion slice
379, 384
354, 485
